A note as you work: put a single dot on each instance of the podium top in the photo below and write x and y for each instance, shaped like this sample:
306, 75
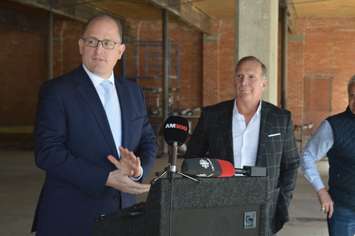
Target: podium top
209, 192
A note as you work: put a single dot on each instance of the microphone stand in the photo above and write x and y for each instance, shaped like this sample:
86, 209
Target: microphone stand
171, 172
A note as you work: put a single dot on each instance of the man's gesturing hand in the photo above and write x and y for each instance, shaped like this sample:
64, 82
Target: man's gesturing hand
128, 166
120, 181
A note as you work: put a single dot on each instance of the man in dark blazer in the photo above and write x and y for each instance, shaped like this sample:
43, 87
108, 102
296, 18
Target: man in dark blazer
92, 167
249, 131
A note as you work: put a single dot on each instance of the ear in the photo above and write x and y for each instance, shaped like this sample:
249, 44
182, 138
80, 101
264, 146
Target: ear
121, 49
264, 84
81, 46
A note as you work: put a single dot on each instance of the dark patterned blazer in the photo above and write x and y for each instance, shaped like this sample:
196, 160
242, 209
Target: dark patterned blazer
212, 138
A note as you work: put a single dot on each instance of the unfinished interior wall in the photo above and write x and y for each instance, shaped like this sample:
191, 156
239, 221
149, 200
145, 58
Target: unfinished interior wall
321, 61
23, 57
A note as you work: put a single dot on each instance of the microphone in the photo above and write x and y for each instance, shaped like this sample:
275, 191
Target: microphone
252, 171
206, 167
176, 130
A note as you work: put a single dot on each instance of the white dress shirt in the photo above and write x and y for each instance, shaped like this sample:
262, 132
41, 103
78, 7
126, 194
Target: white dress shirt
245, 138
316, 148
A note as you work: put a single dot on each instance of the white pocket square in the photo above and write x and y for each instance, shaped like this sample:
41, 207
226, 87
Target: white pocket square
273, 135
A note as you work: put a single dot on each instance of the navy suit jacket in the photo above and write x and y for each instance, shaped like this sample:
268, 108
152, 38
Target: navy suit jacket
73, 139
277, 152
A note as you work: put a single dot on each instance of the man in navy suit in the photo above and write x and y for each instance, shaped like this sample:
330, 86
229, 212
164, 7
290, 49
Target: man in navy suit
93, 138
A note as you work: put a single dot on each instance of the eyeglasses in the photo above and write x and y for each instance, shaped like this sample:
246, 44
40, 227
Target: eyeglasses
94, 43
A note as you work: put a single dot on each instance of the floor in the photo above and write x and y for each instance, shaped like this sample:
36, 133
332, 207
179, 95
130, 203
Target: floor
21, 181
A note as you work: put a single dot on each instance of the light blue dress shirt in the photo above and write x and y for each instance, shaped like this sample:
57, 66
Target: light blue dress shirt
116, 127
97, 80
317, 148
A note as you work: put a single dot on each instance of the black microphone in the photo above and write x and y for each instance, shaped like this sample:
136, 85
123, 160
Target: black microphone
176, 130
206, 167
252, 171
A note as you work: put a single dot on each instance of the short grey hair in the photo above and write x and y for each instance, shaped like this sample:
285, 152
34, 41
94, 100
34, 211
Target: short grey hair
255, 59
351, 83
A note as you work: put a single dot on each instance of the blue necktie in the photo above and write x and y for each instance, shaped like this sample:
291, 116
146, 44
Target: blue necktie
113, 112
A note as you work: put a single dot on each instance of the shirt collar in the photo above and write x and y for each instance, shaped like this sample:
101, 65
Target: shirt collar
97, 79
240, 116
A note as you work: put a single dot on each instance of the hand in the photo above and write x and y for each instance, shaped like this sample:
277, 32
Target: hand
128, 163
326, 202
131, 161
119, 180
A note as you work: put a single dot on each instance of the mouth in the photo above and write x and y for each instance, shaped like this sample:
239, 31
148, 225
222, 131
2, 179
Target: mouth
99, 59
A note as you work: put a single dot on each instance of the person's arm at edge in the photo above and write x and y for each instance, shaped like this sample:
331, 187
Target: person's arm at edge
317, 148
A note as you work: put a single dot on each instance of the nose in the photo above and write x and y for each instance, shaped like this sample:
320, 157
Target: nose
100, 42
243, 81
99, 47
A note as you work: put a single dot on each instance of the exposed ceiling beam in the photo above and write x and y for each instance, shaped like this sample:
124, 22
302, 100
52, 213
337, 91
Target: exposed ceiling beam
76, 10
292, 16
187, 13
291, 21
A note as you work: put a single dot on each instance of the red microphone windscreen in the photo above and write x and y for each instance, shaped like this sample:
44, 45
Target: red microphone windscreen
227, 168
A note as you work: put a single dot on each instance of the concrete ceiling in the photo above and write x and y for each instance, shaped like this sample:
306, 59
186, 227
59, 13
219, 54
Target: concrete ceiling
183, 10
198, 13
324, 8
216, 9
136, 9
143, 9
220, 9
303, 8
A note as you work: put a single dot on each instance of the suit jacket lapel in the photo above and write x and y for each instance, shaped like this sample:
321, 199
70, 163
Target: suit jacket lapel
92, 100
264, 126
225, 124
125, 104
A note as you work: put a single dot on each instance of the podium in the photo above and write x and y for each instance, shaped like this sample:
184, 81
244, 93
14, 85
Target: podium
211, 207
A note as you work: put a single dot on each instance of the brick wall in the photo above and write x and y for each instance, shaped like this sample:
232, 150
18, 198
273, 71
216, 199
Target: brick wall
206, 61
218, 63
23, 57
24, 54
144, 61
294, 91
66, 55
204, 64
321, 61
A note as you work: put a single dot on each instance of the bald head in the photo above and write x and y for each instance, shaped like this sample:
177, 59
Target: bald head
106, 18
101, 45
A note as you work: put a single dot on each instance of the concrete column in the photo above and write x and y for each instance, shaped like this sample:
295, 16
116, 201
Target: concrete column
257, 35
